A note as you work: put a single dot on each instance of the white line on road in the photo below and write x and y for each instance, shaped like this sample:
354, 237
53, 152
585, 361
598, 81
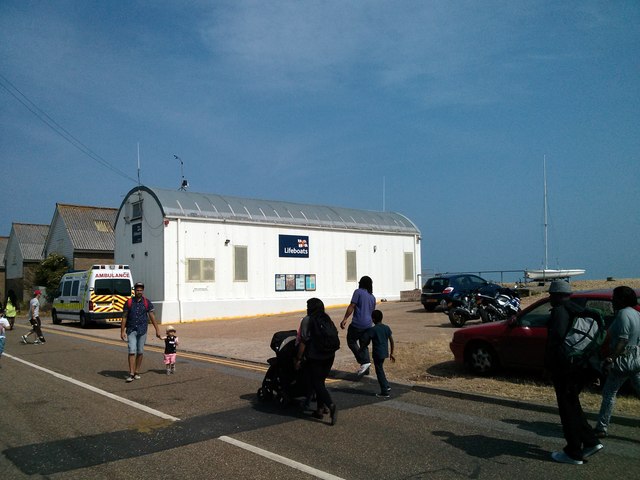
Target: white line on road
131, 403
285, 461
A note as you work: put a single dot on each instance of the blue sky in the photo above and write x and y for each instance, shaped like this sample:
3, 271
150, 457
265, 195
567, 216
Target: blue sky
451, 105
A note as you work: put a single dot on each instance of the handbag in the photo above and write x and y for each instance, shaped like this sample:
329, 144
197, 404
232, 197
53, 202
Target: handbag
628, 362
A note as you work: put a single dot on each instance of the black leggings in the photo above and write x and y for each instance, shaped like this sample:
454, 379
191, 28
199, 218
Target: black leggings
318, 371
35, 327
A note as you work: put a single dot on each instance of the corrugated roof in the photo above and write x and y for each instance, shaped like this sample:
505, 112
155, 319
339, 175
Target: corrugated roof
89, 228
31, 239
179, 203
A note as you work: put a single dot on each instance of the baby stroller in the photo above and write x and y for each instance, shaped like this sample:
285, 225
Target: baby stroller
282, 381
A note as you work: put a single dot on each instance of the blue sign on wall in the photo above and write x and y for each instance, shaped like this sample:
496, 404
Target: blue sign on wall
294, 246
136, 233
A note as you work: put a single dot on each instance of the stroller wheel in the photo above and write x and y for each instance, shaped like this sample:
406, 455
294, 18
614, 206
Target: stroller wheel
262, 394
282, 399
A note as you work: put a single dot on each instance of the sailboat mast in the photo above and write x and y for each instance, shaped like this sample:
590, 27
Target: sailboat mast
544, 175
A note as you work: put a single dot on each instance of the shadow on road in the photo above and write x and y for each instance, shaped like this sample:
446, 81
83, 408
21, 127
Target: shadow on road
482, 446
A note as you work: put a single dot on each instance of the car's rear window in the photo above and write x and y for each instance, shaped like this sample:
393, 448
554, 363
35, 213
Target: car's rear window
438, 282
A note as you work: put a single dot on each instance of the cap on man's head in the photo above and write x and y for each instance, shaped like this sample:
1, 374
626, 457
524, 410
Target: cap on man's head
560, 286
139, 285
37, 292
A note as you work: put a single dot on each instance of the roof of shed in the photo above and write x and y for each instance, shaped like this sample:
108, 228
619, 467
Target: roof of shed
31, 239
186, 204
89, 228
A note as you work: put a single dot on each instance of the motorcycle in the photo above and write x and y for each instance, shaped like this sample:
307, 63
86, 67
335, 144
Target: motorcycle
490, 303
500, 306
464, 309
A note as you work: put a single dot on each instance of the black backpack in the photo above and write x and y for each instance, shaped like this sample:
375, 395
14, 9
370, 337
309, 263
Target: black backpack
585, 336
324, 334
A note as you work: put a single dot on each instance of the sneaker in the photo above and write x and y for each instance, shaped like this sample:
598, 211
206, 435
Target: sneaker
24, 339
363, 370
383, 395
130, 378
136, 376
37, 341
168, 372
562, 457
588, 451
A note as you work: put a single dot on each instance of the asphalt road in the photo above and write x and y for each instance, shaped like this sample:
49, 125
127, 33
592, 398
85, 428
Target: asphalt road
67, 412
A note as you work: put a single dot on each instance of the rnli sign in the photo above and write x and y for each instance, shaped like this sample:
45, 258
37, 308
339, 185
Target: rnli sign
294, 246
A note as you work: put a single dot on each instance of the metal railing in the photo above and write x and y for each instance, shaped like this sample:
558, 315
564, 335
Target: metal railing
482, 273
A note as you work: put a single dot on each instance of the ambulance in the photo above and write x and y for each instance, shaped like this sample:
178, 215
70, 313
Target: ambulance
96, 295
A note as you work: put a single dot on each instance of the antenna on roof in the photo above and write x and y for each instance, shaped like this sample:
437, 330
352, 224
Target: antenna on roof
384, 193
183, 183
138, 163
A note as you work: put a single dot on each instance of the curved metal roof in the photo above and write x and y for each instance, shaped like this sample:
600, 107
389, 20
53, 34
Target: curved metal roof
186, 204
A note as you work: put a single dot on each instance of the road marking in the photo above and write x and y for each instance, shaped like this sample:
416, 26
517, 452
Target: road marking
99, 391
153, 348
280, 459
194, 356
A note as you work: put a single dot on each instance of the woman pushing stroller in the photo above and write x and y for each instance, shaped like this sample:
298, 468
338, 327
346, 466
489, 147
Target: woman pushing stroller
318, 344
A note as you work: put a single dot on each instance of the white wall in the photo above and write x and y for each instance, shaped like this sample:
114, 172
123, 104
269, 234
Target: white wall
58, 240
160, 262
13, 258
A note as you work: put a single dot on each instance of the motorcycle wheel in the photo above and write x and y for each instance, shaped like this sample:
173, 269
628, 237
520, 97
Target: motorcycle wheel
487, 316
458, 317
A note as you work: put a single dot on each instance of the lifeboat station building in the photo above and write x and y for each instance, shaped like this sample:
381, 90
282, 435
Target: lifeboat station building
206, 256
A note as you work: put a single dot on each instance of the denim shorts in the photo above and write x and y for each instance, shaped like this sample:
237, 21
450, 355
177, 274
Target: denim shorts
136, 342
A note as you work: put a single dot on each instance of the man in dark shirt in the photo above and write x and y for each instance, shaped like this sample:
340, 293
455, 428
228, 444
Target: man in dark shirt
568, 380
133, 328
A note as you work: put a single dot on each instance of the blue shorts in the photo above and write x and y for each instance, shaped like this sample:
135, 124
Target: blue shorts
136, 342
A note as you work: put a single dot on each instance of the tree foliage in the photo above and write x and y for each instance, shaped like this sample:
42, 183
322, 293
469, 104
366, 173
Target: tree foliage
49, 273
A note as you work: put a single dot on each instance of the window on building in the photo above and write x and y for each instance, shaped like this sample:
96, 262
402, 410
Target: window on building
240, 264
103, 226
408, 267
201, 270
352, 273
136, 210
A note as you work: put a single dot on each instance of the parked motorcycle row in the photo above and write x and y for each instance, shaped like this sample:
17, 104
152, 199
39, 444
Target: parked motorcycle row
490, 303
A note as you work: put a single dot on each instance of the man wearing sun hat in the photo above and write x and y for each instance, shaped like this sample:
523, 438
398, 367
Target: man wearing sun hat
34, 319
568, 379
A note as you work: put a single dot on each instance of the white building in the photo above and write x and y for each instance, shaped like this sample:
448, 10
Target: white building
206, 256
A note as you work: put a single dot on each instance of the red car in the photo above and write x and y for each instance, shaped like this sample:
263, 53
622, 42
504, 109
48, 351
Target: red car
520, 341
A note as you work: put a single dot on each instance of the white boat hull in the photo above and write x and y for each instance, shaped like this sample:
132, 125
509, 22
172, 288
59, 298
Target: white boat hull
549, 274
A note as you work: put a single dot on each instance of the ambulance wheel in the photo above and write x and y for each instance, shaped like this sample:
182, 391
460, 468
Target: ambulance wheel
54, 317
84, 323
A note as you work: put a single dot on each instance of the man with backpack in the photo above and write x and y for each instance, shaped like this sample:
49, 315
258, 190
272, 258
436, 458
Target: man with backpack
569, 373
133, 328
